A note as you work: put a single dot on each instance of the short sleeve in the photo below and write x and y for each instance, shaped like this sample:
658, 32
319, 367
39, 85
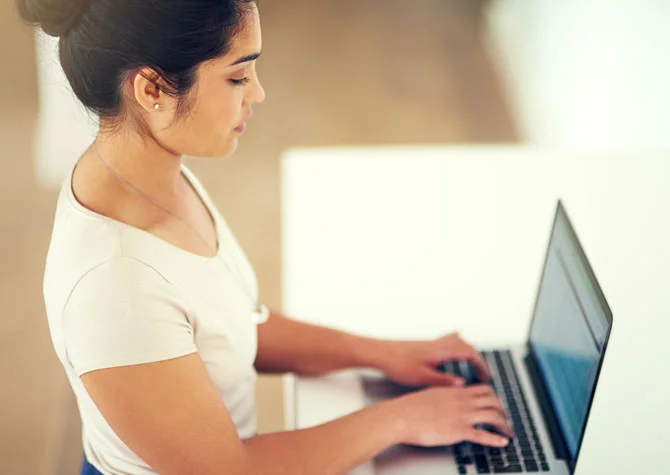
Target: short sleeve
124, 312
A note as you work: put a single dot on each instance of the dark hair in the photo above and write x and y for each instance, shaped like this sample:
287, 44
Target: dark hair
101, 41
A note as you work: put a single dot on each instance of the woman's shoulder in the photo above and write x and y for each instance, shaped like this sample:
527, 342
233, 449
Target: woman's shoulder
89, 233
106, 197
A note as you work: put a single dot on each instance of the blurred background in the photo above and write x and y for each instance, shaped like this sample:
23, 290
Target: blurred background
558, 73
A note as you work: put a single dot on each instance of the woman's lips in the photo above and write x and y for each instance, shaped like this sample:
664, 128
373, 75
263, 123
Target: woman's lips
240, 128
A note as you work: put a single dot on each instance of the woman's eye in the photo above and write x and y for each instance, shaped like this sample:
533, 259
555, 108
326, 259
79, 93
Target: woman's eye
240, 82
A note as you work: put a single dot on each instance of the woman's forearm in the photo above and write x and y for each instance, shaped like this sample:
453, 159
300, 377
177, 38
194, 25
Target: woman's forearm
329, 449
286, 345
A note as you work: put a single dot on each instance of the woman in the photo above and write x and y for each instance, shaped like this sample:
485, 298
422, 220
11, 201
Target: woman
152, 304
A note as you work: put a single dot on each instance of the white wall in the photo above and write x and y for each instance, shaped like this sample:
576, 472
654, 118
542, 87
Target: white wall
590, 74
414, 242
64, 129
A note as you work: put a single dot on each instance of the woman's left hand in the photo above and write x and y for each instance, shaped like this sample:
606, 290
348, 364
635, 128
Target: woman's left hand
415, 363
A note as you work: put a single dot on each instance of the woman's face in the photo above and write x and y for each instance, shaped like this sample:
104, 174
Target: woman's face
221, 100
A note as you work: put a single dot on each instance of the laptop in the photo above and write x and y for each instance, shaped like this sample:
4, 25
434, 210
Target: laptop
547, 384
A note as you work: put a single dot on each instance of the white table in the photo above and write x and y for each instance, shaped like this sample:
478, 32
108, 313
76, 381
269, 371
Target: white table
412, 242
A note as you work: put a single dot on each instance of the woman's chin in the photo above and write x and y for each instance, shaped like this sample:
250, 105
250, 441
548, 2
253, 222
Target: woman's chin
232, 144
228, 146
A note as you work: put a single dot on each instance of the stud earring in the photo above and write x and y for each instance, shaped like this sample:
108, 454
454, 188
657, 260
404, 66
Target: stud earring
156, 106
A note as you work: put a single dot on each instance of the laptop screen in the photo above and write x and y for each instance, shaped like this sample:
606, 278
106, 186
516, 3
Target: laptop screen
569, 331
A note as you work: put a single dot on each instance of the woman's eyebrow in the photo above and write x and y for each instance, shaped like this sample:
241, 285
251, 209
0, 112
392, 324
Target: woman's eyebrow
244, 59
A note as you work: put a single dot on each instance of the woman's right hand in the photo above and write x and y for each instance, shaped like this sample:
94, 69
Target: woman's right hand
448, 415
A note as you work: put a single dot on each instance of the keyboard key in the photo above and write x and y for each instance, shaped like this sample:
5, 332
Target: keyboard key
482, 464
456, 369
525, 445
545, 467
508, 469
530, 465
462, 470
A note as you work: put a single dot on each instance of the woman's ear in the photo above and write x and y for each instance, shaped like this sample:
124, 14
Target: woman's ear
146, 89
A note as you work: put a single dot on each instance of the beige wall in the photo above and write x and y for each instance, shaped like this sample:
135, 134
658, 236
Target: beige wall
335, 72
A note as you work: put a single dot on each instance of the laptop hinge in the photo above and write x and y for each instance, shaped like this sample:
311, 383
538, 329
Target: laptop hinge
553, 427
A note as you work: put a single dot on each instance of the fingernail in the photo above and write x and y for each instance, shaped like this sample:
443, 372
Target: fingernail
504, 440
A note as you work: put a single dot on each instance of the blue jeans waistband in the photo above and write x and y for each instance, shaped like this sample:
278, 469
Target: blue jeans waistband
88, 469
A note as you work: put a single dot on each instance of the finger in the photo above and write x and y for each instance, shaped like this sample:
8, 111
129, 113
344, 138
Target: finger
479, 364
437, 378
493, 418
483, 437
470, 353
449, 336
482, 367
480, 390
484, 397
489, 402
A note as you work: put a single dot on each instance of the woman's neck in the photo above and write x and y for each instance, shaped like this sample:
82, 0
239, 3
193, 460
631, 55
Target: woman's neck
144, 163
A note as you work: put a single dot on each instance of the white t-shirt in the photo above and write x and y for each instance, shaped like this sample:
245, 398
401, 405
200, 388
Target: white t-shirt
117, 295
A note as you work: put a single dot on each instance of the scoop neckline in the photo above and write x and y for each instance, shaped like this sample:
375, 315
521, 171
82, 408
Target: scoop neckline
81, 208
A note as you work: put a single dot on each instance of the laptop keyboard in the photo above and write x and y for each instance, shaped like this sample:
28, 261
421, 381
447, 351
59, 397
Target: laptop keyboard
524, 453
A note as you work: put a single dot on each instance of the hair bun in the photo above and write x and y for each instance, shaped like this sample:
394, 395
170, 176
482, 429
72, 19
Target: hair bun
56, 17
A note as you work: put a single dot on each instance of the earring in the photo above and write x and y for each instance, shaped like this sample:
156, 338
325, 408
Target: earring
156, 106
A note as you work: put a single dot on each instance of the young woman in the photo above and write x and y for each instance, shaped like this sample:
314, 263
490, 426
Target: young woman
152, 304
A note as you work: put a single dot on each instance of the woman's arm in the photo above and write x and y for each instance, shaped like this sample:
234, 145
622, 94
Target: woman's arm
286, 345
170, 414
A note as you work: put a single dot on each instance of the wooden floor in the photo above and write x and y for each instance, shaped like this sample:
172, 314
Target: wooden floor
335, 72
